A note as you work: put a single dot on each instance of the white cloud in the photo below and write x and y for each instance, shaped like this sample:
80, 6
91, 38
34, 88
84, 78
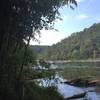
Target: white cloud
80, 0
48, 37
58, 21
91, 0
82, 16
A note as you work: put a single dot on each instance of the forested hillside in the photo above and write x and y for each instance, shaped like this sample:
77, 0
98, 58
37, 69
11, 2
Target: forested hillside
39, 50
80, 45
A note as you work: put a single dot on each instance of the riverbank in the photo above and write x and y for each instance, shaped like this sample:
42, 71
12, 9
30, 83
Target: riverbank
69, 61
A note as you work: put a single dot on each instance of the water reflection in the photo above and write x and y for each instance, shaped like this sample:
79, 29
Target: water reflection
67, 91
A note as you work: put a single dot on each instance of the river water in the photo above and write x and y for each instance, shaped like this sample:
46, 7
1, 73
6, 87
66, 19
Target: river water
67, 90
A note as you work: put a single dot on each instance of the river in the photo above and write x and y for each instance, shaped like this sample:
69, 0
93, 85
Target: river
70, 71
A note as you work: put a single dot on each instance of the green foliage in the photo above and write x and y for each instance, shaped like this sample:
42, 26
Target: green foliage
21, 21
80, 45
34, 92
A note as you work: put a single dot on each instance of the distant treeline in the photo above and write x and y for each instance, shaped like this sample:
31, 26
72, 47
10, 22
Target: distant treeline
80, 45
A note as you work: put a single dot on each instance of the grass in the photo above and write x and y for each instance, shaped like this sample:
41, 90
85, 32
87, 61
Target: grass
78, 70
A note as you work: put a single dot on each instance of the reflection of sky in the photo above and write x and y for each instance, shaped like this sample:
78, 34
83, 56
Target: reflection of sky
68, 91
87, 13
93, 96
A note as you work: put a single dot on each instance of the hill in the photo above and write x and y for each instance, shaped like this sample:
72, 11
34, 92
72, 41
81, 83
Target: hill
80, 45
39, 50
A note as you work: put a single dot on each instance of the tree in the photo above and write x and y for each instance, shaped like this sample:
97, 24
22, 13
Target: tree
80, 45
21, 20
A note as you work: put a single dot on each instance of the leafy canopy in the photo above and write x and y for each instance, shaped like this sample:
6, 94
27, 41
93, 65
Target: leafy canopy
21, 18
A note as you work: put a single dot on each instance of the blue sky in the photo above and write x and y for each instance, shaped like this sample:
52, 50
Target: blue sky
86, 14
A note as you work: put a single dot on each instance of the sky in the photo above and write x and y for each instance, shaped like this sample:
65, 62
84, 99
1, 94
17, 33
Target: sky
83, 16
